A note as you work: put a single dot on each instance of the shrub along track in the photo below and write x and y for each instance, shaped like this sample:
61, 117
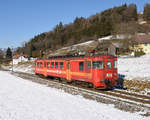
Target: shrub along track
123, 100
138, 85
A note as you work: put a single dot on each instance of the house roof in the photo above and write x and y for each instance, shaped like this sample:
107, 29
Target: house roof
142, 39
19, 55
107, 44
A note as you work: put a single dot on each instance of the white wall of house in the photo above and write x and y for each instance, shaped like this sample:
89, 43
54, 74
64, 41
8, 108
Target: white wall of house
20, 59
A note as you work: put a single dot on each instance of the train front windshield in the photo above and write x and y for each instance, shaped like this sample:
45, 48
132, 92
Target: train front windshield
98, 64
108, 65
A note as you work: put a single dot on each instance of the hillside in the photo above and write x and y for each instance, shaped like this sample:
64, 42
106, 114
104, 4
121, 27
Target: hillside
118, 20
86, 48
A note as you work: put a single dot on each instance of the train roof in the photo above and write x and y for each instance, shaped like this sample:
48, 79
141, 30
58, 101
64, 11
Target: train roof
76, 57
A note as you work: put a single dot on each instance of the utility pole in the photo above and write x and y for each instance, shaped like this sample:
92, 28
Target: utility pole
12, 59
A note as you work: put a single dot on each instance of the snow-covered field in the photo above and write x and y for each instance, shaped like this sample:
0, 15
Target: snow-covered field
135, 68
27, 68
24, 100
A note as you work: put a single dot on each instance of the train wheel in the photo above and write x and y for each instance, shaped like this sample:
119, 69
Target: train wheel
60, 80
90, 85
69, 82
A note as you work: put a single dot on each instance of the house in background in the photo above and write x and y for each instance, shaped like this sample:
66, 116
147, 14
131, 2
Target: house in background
111, 48
20, 58
142, 43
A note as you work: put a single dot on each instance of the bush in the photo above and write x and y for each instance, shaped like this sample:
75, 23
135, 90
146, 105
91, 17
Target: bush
139, 53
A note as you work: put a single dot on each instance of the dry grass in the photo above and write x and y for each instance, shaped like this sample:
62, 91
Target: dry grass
137, 86
23, 63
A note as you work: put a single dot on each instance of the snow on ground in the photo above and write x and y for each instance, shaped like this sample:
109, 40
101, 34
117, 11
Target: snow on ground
135, 68
27, 68
24, 100
105, 38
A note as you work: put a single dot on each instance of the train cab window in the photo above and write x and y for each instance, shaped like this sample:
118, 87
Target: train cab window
115, 64
48, 64
89, 64
56, 64
98, 64
108, 65
52, 64
41, 64
61, 65
81, 66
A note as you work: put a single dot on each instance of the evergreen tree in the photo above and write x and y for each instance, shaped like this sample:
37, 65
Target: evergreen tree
146, 13
8, 53
59, 27
1, 54
31, 48
130, 14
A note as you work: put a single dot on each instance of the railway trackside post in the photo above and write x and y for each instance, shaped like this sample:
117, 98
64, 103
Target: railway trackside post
12, 60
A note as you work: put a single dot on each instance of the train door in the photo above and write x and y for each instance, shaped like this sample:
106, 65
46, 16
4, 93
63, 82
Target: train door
88, 72
45, 68
68, 71
87, 66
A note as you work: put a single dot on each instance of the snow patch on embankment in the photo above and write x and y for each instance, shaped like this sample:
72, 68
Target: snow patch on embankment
137, 68
26, 67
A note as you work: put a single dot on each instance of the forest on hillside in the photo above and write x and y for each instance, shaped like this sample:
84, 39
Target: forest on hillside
117, 20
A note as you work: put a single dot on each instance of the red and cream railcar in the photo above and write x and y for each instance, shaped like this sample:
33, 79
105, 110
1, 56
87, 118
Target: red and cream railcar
101, 71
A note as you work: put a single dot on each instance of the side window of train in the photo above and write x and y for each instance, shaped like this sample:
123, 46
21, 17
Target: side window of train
41, 64
68, 65
98, 65
52, 64
61, 65
89, 64
48, 64
56, 64
38, 64
81, 66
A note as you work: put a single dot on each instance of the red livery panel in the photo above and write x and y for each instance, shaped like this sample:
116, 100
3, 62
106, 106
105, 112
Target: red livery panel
100, 71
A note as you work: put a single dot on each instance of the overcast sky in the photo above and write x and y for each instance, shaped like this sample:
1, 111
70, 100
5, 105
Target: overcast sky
21, 20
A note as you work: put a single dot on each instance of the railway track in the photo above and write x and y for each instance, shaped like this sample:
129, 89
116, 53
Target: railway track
134, 95
129, 96
123, 100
